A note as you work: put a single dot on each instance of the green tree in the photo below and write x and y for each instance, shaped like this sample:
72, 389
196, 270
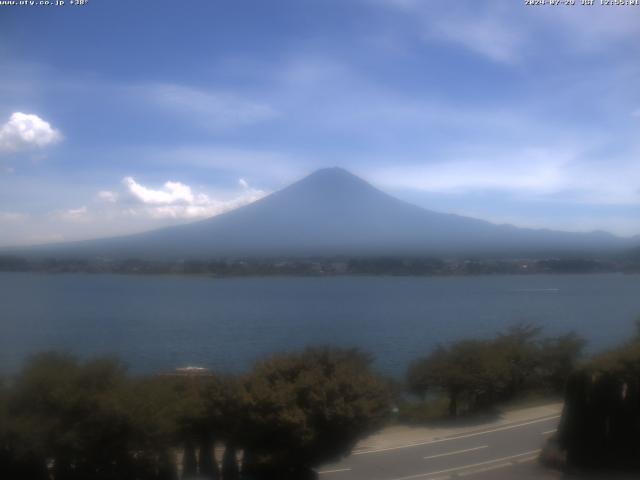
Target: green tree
519, 346
472, 373
78, 417
310, 407
475, 374
558, 358
191, 412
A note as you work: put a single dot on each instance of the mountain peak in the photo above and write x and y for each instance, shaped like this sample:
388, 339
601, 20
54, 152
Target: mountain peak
333, 174
334, 212
332, 179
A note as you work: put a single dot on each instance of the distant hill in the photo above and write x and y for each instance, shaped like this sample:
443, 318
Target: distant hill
333, 212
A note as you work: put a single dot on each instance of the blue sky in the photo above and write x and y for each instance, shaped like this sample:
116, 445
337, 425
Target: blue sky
119, 116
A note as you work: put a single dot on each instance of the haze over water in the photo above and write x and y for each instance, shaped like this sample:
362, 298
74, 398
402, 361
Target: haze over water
159, 323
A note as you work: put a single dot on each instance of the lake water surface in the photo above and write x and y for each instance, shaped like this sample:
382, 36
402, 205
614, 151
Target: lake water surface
158, 323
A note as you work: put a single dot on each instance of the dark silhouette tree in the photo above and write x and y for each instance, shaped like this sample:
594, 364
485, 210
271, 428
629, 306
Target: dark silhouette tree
229, 463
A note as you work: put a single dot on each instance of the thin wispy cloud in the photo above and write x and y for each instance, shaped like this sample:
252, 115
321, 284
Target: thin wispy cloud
12, 216
107, 196
487, 35
535, 174
508, 32
210, 109
80, 214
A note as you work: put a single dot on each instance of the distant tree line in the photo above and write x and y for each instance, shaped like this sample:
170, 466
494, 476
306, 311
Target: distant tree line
63, 419
312, 266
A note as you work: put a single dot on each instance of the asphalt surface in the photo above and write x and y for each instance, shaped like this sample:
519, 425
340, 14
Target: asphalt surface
498, 452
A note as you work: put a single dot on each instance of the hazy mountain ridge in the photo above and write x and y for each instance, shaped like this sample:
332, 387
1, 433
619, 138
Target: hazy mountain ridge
332, 212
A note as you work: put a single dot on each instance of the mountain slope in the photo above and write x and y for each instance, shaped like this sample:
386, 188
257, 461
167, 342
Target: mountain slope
332, 212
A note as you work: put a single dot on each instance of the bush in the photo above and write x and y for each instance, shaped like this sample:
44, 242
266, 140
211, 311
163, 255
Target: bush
311, 407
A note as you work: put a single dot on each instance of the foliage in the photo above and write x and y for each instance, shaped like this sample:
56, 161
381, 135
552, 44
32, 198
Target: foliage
310, 407
470, 372
76, 416
558, 358
475, 374
64, 419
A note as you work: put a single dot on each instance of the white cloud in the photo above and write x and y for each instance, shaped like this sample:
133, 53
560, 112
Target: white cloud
243, 183
119, 212
178, 201
173, 192
108, 196
25, 132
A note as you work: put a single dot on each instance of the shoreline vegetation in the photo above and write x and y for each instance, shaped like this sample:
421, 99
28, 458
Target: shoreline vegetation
321, 266
62, 418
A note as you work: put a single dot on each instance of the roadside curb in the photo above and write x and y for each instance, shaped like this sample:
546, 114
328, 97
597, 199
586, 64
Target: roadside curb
441, 435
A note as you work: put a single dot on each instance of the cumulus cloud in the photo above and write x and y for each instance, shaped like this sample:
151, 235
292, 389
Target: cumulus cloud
25, 131
175, 200
172, 193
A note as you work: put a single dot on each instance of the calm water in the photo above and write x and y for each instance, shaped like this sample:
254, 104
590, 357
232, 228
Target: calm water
157, 323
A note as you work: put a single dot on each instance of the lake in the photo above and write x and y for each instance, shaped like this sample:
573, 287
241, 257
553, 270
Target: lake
163, 322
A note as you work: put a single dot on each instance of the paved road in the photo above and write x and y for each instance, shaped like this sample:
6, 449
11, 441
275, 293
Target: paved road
496, 452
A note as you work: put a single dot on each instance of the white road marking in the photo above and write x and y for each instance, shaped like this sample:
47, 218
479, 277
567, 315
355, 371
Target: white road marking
323, 472
548, 432
456, 452
470, 466
476, 471
474, 434
527, 459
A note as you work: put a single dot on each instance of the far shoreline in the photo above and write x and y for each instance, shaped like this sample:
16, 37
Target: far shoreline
316, 267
